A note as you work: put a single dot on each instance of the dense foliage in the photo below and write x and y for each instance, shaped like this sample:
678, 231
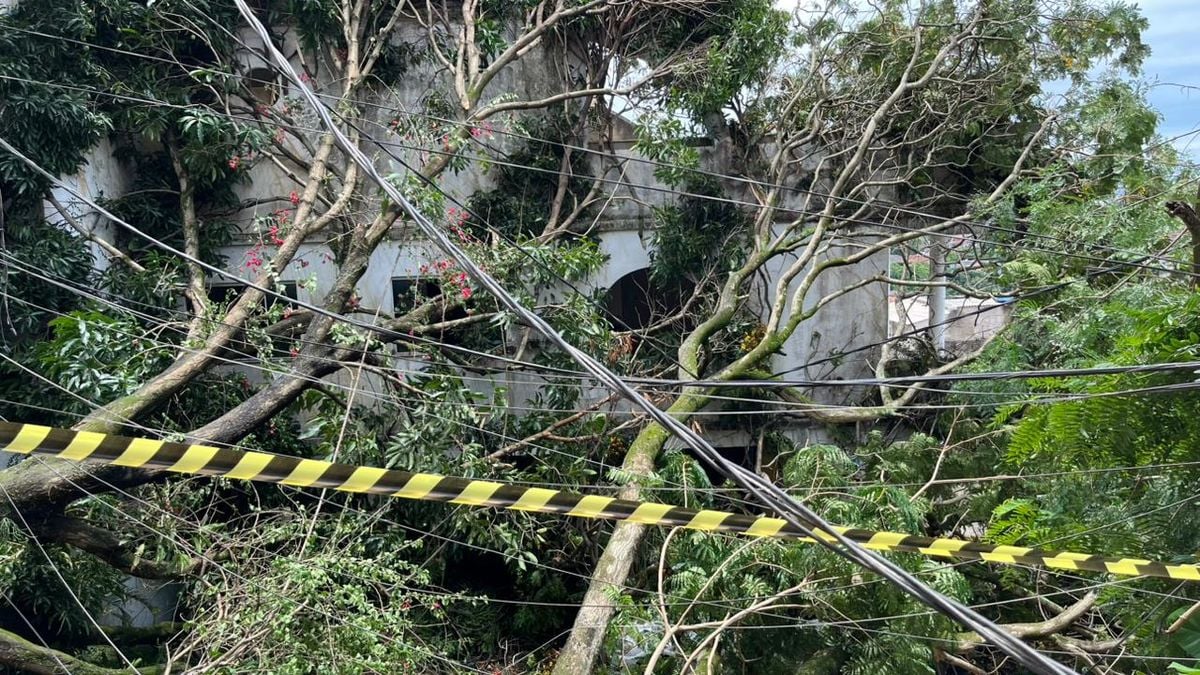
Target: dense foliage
820, 130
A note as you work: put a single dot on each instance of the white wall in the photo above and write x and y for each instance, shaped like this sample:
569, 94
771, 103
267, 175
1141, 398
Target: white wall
101, 176
972, 321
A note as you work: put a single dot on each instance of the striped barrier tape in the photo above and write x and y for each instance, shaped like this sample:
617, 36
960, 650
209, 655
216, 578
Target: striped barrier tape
144, 453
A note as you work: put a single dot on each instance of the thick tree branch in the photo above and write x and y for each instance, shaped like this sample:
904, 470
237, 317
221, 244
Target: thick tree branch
968, 642
106, 546
23, 655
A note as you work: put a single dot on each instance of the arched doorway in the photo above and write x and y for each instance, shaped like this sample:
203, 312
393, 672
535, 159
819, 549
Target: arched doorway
636, 301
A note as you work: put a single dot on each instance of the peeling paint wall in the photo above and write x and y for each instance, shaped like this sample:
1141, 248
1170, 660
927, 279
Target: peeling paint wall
101, 177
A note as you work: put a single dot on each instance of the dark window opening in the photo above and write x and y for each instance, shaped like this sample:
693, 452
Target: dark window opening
636, 302
263, 85
227, 293
742, 456
240, 348
409, 292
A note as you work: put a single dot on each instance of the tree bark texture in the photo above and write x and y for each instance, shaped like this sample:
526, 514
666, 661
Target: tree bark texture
582, 650
1191, 219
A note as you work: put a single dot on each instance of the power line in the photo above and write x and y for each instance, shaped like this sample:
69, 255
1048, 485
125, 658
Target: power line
842, 354
890, 382
63, 580
600, 372
1135, 264
630, 158
143, 453
1027, 656
776, 406
920, 331
694, 601
760, 383
793, 511
655, 188
717, 490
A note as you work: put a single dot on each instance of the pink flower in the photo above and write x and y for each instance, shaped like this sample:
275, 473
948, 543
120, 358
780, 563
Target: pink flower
254, 258
294, 198
466, 292
234, 162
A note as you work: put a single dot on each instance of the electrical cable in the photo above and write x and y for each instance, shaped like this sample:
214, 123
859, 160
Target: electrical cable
897, 382
66, 586
218, 271
795, 513
631, 158
54, 654
841, 355
336, 132
587, 150
654, 188
716, 489
630, 589
147, 453
891, 382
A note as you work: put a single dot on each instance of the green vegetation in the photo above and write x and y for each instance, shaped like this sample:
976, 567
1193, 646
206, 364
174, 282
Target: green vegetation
831, 138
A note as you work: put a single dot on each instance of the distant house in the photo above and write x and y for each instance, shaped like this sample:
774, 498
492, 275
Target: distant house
842, 338
971, 322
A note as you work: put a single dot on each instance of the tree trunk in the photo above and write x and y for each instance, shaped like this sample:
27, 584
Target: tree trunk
20, 653
1191, 219
579, 655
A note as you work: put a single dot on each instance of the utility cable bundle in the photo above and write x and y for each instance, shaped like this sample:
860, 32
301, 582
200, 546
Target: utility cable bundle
190, 458
795, 514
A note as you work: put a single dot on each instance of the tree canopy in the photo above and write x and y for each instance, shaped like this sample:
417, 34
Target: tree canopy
778, 165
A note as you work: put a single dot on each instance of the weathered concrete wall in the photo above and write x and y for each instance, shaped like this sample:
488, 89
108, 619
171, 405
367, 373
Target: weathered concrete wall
623, 227
101, 177
841, 340
972, 321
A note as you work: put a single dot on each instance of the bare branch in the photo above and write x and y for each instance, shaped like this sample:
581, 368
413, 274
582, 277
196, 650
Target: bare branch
968, 642
90, 235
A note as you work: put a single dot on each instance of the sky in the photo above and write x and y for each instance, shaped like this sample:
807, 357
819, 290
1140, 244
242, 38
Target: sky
1173, 67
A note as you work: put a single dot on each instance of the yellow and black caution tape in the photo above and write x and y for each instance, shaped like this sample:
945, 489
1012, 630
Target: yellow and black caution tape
211, 461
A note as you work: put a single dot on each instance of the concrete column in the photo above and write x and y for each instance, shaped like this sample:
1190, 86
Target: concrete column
937, 296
